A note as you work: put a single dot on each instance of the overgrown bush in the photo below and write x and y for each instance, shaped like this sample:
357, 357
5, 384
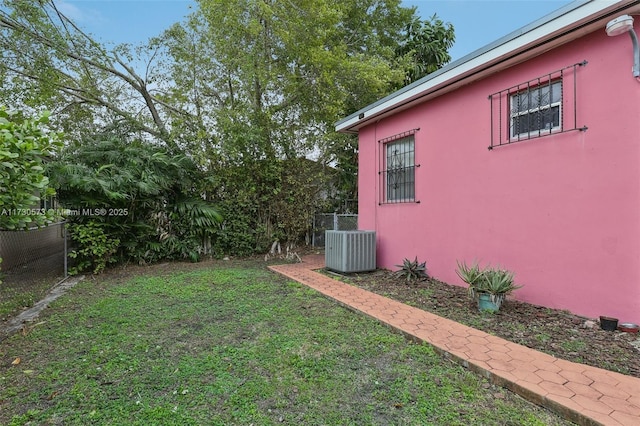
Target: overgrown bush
267, 201
136, 194
95, 250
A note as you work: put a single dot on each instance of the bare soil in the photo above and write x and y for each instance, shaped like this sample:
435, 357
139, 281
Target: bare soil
555, 332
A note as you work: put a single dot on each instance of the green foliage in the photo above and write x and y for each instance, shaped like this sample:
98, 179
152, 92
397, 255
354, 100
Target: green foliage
425, 47
139, 195
48, 61
342, 150
96, 250
412, 270
265, 201
24, 148
238, 88
192, 222
469, 274
302, 186
490, 280
498, 281
277, 84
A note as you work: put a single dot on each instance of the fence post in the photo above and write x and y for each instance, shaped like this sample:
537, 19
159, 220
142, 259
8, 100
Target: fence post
64, 232
335, 221
313, 231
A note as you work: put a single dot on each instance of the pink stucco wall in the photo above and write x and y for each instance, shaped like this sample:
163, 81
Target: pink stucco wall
562, 212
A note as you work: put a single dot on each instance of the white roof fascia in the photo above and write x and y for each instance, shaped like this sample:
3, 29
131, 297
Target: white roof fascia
562, 19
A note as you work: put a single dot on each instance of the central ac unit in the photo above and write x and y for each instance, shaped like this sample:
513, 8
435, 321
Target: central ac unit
350, 251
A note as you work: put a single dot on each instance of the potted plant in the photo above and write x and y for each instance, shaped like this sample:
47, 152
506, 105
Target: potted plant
496, 284
488, 286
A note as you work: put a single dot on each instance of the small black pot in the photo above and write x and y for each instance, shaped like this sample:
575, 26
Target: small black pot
608, 323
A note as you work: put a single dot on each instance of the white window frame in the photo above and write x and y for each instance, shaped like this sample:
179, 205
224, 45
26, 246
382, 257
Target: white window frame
518, 109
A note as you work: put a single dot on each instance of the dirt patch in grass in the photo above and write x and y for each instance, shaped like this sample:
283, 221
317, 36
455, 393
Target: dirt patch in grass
555, 332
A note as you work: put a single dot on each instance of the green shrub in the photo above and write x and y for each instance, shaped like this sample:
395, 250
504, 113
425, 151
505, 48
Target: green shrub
96, 249
267, 200
498, 281
471, 275
24, 148
150, 202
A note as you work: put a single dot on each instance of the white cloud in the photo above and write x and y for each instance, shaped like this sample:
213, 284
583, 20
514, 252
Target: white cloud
70, 10
80, 14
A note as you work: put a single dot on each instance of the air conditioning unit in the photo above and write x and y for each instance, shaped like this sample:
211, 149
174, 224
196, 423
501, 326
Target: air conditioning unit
350, 251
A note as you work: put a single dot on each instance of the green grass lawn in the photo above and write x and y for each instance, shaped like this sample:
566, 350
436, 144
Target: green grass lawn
17, 294
232, 344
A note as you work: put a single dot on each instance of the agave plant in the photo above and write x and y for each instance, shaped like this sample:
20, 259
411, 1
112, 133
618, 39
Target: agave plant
412, 270
471, 275
498, 281
494, 281
496, 284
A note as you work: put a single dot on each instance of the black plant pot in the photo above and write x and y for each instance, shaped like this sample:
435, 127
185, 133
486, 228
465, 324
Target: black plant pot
608, 323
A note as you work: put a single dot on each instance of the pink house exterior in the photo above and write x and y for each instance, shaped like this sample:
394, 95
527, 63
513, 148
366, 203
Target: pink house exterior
557, 198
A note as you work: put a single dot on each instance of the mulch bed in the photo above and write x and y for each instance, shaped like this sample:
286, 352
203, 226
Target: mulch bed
555, 332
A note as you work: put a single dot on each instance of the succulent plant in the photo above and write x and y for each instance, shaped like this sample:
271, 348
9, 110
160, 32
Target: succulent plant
494, 281
412, 270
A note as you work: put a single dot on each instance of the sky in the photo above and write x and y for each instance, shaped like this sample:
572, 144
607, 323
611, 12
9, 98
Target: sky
476, 22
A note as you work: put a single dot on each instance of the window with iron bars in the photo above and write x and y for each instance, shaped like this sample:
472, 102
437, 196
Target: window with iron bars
398, 169
536, 109
540, 107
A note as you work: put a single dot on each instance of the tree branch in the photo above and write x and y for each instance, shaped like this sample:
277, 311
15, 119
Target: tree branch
132, 78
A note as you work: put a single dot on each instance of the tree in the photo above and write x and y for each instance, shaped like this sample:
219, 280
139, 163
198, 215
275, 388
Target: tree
425, 47
233, 65
47, 60
25, 146
276, 83
241, 85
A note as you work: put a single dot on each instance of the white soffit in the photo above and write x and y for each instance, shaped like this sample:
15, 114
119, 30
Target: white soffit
572, 21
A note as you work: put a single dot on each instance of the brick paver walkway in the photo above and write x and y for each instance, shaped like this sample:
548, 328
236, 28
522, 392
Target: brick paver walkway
582, 394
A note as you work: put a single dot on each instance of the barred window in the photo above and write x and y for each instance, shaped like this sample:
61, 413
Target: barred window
544, 106
398, 177
536, 109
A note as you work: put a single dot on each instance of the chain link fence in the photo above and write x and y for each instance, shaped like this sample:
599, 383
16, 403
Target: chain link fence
33, 255
41, 253
332, 222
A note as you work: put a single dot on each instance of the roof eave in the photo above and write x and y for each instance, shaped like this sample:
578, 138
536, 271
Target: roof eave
562, 26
